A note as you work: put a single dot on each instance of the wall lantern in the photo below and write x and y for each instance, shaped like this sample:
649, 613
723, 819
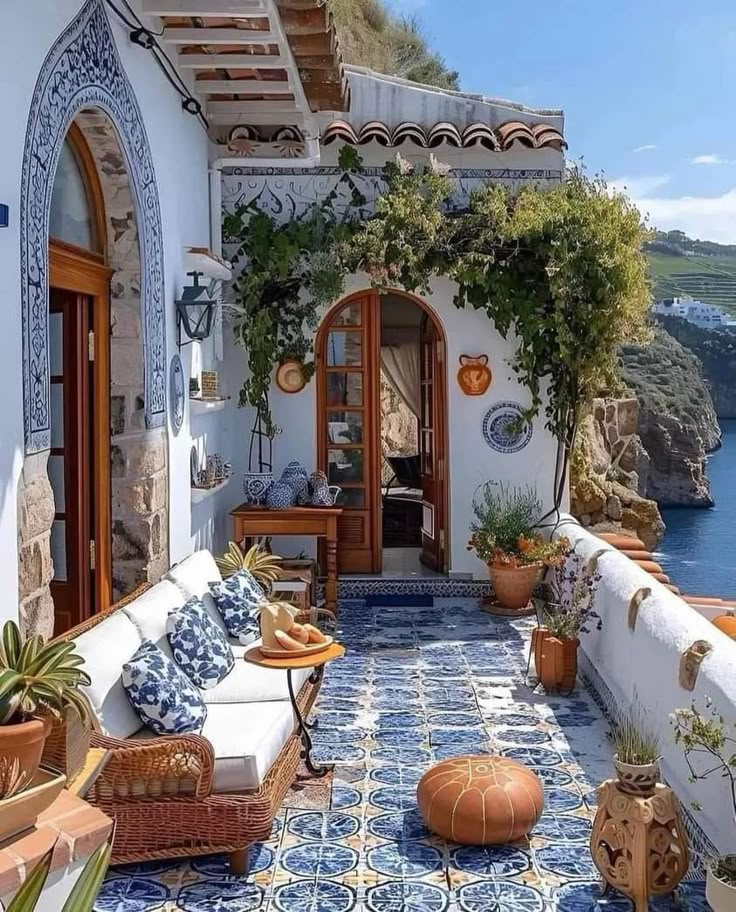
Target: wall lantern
194, 311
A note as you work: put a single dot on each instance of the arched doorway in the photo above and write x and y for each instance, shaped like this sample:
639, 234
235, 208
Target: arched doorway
79, 346
381, 356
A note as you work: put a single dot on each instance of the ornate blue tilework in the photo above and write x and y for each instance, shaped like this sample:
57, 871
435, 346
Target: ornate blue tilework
83, 69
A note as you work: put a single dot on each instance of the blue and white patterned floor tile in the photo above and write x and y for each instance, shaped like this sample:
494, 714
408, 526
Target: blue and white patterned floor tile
418, 684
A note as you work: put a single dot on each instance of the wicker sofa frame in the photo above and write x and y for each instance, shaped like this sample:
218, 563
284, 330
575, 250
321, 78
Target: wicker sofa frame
159, 790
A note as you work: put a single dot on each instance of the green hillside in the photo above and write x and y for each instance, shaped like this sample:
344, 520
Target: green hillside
372, 36
704, 270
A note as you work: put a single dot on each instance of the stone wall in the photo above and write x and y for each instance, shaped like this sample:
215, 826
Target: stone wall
398, 427
139, 456
35, 568
606, 473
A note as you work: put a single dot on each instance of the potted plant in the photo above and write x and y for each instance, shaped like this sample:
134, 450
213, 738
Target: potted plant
503, 535
637, 756
567, 612
263, 566
705, 735
37, 683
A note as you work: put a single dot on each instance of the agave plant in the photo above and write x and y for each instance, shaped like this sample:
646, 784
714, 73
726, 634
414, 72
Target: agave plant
265, 567
38, 677
84, 892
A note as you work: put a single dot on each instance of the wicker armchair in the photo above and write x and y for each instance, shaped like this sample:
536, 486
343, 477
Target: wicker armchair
160, 793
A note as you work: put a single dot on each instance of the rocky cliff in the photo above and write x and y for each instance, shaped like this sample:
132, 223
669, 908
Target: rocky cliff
604, 483
716, 349
677, 422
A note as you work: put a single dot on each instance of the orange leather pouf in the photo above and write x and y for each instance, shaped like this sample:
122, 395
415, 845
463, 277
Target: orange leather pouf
480, 800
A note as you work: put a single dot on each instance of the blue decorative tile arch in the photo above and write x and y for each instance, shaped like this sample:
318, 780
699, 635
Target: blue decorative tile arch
83, 69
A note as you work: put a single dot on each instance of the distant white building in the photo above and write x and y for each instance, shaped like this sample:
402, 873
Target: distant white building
707, 316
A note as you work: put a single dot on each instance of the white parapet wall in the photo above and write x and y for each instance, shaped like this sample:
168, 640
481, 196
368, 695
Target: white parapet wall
641, 668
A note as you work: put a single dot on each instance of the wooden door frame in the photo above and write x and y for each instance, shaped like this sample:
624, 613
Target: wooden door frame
374, 395
75, 270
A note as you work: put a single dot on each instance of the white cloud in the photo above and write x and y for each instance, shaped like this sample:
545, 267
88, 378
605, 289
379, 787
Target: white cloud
649, 147
710, 218
639, 186
710, 159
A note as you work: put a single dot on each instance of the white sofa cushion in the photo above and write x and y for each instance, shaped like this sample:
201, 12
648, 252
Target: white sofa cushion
150, 611
248, 683
246, 739
105, 649
193, 577
194, 574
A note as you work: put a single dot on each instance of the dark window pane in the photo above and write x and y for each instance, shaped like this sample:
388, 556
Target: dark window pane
345, 465
56, 477
344, 389
352, 497
56, 343
345, 349
57, 415
58, 549
345, 427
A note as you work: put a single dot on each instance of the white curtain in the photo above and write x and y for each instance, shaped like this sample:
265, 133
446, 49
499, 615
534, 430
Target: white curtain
400, 364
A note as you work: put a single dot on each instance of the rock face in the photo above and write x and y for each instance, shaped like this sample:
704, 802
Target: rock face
716, 349
677, 423
605, 473
398, 427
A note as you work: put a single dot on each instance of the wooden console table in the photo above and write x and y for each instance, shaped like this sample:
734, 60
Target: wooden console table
260, 522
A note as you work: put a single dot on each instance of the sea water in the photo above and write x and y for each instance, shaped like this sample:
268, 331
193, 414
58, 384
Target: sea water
698, 551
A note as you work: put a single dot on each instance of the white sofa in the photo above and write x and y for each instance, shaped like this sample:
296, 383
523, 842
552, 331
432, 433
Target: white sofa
247, 748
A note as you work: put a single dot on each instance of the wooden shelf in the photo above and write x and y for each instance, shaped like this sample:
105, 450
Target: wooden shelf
200, 406
200, 494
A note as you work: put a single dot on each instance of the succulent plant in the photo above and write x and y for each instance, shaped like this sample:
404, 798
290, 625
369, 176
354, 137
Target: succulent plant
265, 567
38, 677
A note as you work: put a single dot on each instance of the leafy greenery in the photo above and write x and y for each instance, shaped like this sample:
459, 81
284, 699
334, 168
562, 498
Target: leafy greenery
560, 269
633, 742
371, 36
709, 746
84, 892
264, 566
37, 677
569, 609
503, 531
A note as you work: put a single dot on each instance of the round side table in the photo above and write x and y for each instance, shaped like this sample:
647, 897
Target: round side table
317, 661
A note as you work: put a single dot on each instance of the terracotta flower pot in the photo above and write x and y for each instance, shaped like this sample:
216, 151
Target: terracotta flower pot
720, 895
24, 742
637, 779
514, 585
556, 660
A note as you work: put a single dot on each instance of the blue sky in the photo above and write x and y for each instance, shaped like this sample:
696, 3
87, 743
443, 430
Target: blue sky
648, 88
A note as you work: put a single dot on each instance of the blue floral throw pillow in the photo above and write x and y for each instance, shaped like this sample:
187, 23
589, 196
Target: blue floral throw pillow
238, 600
161, 694
200, 647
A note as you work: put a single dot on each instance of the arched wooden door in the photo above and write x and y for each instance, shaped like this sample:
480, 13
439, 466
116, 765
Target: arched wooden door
348, 426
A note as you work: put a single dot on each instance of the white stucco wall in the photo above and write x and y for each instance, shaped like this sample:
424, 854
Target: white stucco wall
641, 668
179, 149
470, 460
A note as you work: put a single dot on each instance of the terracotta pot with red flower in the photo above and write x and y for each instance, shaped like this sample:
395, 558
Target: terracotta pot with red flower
503, 534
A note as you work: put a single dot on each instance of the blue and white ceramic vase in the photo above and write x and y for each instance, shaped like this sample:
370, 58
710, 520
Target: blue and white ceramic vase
281, 496
256, 486
295, 475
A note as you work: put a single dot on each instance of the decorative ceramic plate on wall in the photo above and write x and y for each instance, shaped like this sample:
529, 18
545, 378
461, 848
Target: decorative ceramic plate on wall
290, 377
500, 429
177, 395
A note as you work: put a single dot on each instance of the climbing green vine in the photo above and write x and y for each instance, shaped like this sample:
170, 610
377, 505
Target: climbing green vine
559, 270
